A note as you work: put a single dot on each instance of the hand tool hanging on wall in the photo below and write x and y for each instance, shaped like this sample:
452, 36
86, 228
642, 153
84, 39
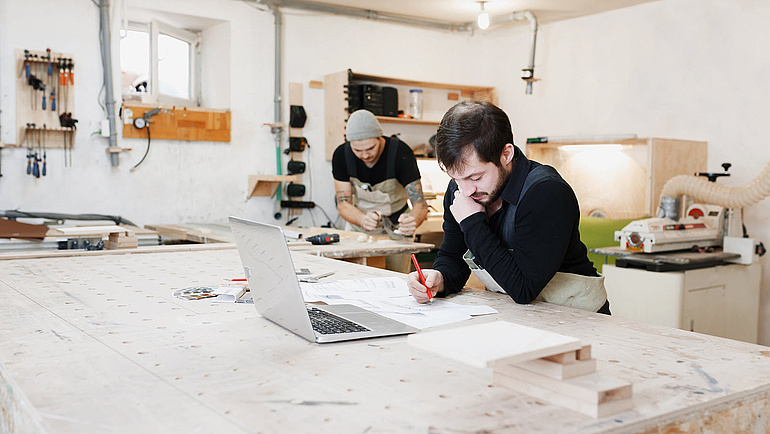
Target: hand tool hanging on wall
59, 82
35, 163
51, 84
44, 156
29, 150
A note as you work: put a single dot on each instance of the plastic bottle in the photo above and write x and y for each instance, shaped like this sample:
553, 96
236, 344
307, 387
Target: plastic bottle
415, 103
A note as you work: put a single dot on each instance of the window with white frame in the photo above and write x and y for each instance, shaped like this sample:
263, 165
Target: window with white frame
159, 64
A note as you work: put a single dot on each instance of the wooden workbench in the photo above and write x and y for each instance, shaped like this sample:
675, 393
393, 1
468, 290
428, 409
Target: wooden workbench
370, 252
99, 344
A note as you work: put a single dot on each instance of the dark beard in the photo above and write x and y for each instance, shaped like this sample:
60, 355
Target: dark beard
501, 182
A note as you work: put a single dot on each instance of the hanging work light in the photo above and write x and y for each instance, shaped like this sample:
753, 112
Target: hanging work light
483, 20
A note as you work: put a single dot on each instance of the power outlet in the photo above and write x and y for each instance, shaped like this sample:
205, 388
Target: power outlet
105, 128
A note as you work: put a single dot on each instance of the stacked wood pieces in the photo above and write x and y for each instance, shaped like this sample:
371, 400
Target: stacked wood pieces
122, 240
569, 380
549, 366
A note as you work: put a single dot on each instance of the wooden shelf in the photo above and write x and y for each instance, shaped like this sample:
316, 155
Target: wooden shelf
426, 84
266, 185
394, 120
336, 106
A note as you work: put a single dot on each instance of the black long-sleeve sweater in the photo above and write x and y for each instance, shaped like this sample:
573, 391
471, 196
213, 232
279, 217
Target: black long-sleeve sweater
546, 237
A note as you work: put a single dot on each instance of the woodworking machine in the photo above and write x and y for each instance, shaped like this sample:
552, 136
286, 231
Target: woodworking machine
704, 226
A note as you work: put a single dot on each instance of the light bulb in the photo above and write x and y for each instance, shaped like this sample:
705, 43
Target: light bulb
483, 21
483, 17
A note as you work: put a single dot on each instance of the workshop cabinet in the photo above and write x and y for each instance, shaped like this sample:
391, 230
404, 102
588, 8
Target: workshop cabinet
620, 179
721, 301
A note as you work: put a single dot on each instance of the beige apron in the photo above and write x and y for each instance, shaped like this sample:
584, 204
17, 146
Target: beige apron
387, 197
565, 289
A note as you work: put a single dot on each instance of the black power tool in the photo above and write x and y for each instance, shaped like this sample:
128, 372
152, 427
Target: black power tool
324, 239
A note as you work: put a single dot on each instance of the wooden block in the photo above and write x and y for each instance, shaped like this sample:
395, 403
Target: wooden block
563, 358
484, 344
316, 84
584, 353
453, 96
594, 395
555, 370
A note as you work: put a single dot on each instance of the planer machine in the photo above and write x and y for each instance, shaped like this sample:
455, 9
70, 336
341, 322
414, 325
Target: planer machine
704, 226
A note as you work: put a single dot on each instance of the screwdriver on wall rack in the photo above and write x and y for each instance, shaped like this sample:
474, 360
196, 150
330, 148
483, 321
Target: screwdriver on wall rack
29, 150
44, 137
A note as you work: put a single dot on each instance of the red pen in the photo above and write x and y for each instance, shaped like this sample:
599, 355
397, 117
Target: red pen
422, 277
237, 280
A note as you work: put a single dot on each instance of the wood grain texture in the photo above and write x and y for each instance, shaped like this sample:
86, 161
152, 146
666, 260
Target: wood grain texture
99, 344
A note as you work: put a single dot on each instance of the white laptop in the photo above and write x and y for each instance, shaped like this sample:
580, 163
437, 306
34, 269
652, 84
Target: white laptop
278, 297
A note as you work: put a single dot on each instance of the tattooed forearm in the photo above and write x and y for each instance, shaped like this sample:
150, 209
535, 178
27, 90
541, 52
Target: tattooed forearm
414, 191
342, 196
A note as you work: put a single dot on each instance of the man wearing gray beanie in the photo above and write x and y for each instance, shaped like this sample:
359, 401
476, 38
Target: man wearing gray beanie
373, 178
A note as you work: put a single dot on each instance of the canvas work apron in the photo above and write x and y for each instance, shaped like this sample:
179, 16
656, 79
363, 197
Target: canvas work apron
564, 289
387, 197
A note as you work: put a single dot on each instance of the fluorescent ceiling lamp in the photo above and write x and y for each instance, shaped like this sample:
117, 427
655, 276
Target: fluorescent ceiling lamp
483, 18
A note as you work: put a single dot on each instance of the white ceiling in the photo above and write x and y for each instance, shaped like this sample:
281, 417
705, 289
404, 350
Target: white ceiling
466, 11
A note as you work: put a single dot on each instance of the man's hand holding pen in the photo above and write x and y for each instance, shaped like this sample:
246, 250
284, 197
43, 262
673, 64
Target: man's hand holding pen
434, 282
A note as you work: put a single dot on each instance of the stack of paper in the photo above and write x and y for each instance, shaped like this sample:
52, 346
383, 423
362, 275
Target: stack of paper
389, 297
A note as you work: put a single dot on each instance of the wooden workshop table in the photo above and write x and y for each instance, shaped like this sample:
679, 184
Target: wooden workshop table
99, 344
370, 252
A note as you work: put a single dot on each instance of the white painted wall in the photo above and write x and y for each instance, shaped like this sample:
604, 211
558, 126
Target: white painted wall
684, 69
688, 69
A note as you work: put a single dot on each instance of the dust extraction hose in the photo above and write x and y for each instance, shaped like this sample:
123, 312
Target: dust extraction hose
704, 191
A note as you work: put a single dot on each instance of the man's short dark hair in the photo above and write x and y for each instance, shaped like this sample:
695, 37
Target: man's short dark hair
472, 123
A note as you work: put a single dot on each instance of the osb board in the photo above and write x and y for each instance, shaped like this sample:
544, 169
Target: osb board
179, 123
203, 366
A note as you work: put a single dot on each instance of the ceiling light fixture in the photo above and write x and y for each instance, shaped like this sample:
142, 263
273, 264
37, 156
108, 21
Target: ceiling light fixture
483, 20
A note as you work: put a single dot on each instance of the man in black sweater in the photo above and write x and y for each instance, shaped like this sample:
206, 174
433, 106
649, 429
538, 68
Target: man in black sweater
513, 220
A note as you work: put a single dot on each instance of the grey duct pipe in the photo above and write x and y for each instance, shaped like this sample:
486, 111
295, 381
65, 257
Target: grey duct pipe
277, 128
373, 15
528, 73
106, 51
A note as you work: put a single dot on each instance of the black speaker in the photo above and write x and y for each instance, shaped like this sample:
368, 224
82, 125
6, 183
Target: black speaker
295, 190
296, 167
389, 101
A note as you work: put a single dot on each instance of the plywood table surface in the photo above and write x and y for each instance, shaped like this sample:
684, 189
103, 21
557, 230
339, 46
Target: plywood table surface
99, 344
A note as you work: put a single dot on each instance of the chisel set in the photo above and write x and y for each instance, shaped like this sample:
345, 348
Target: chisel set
44, 104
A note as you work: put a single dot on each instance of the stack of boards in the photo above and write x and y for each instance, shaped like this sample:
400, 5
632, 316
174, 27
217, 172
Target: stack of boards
549, 366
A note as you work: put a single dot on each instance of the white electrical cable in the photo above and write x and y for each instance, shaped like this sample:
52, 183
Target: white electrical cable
702, 190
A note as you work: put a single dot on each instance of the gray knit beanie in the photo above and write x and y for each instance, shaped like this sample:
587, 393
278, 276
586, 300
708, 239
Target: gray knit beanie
362, 125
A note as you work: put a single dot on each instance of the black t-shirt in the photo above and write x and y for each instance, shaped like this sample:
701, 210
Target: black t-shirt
406, 165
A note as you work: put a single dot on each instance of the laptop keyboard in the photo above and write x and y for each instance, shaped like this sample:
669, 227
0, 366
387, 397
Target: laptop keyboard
327, 324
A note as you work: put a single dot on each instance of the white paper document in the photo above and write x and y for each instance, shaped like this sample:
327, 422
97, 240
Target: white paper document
389, 297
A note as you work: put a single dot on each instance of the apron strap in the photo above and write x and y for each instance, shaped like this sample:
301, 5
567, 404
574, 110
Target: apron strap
538, 173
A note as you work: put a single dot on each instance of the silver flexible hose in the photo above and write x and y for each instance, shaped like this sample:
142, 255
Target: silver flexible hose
701, 190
